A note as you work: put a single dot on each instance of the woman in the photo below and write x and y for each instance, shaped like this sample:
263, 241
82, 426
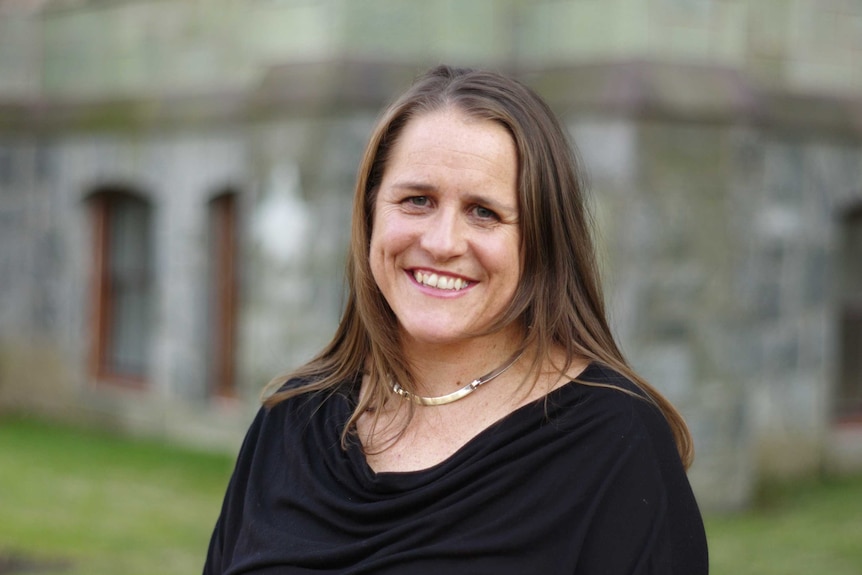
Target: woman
470, 261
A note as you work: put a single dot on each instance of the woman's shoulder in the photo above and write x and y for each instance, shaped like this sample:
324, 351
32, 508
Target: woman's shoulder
296, 403
620, 403
601, 387
604, 376
292, 415
304, 389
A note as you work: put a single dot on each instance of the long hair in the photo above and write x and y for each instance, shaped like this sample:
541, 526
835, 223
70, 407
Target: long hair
559, 299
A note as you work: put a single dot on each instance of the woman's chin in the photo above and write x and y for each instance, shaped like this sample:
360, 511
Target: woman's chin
428, 335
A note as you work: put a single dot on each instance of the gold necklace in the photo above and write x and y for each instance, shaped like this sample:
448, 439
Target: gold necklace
458, 394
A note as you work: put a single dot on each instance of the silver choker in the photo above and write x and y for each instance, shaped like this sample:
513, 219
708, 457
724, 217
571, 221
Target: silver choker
458, 394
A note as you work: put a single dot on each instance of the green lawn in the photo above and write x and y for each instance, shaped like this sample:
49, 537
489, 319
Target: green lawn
103, 505
798, 529
91, 503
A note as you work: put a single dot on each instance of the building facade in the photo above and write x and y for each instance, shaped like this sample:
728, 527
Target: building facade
176, 182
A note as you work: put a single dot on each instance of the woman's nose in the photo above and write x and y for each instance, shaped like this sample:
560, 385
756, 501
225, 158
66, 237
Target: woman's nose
444, 236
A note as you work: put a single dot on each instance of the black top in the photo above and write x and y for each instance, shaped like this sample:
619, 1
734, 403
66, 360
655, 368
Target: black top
588, 482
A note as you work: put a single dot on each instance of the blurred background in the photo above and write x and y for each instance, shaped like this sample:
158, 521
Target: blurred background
176, 181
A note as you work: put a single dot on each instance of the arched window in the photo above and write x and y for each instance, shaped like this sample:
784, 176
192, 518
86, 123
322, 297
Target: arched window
122, 286
849, 400
222, 294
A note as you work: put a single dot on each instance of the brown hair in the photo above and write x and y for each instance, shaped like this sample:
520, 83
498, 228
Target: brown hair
559, 298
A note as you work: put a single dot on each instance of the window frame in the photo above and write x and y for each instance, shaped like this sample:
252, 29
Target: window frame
102, 205
222, 293
849, 321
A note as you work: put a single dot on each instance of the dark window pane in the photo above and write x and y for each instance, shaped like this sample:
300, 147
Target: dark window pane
124, 299
849, 402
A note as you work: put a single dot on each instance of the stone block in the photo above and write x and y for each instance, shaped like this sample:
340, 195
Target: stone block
608, 150
723, 472
844, 449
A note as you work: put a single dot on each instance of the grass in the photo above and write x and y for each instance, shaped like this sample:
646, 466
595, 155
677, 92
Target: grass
793, 529
96, 504
101, 504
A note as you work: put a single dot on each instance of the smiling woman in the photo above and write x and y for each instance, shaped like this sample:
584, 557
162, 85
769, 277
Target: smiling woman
447, 212
472, 412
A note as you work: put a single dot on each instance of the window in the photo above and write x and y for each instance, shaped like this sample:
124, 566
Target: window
849, 404
222, 294
122, 287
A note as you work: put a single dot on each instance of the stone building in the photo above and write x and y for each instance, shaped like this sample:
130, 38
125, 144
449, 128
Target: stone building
175, 183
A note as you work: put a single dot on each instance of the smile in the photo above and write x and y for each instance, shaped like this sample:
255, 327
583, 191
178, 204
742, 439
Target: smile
440, 281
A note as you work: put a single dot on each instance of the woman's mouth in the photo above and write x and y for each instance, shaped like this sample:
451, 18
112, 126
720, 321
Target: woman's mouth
440, 281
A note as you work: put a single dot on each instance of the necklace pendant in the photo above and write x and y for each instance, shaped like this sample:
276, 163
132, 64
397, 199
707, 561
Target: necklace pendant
457, 394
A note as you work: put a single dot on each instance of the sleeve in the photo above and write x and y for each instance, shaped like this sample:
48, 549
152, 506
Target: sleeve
221, 547
646, 520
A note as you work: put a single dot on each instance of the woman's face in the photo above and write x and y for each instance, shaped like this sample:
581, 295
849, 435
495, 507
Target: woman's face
445, 241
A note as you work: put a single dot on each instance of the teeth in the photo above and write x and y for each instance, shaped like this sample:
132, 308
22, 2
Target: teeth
440, 282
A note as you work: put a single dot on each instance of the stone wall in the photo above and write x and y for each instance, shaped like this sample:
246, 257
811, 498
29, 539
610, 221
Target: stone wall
719, 209
716, 188
92, 48
47, 261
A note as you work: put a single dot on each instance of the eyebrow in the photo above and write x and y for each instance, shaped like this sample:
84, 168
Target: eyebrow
415, 186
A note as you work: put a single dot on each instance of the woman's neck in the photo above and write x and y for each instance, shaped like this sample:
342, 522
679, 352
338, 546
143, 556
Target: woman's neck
441, 369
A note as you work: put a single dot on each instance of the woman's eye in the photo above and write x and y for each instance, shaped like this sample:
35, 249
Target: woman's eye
484, 213
418, 201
